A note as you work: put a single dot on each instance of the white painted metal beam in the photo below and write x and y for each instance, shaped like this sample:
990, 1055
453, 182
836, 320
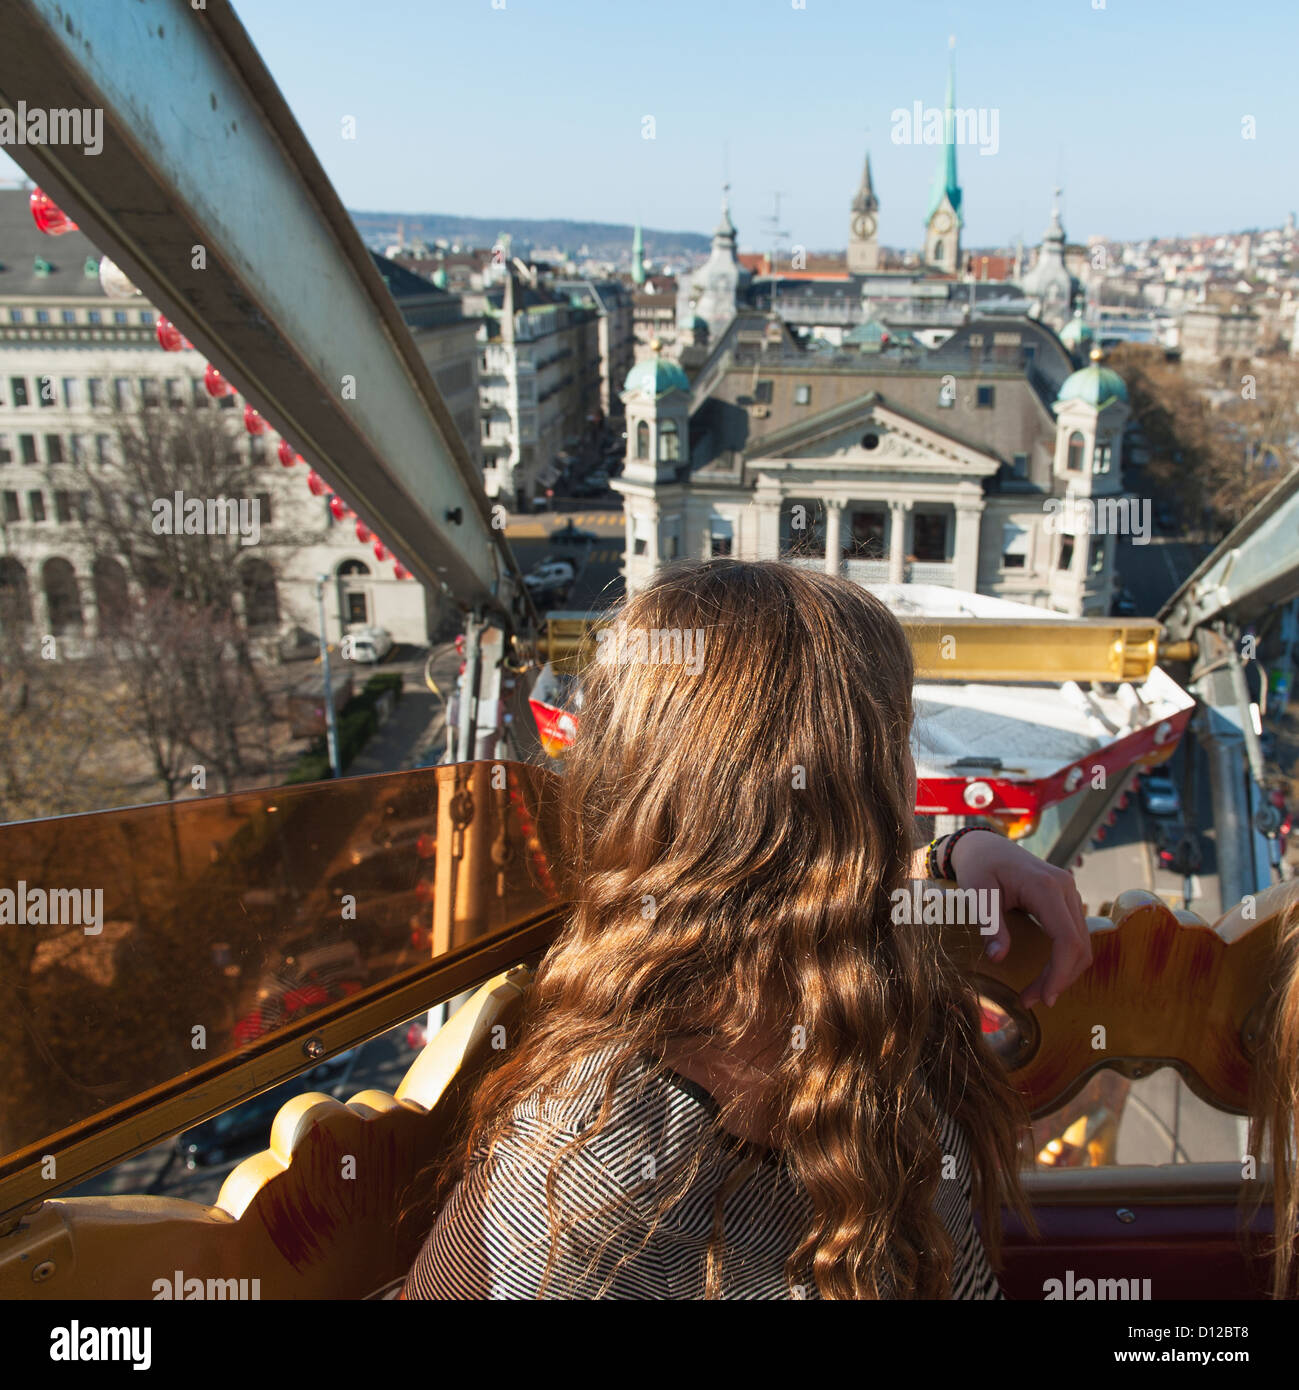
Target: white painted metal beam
208, 195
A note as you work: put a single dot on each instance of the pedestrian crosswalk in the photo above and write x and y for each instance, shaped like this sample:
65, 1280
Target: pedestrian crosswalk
607, 525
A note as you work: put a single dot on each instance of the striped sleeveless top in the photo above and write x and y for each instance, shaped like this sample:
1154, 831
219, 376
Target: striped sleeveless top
492, 1238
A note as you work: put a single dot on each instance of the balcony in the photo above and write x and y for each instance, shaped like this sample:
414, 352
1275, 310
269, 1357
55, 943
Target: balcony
931, 572
866, 571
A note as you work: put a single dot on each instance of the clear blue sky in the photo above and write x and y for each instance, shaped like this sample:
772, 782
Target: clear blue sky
535, 110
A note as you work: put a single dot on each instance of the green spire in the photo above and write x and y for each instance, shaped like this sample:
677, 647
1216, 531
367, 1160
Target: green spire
945, 184
637, 258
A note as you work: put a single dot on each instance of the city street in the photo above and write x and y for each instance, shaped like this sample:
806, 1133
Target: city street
1163, 1121
1126, 856
599, 581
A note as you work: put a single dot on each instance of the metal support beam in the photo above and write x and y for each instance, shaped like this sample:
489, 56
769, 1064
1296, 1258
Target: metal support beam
962, 649
1253, 570
1243, 853
1081, 818
208, 195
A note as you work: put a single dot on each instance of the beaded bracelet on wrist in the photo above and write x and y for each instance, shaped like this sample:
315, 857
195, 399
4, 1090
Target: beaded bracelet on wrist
931, 857
946, 858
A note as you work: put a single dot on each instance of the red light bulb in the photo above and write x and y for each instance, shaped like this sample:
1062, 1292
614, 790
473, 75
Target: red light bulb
48, 216
216, 384
400, 571
380, 550
253, 421
169, 336
338, 507
362, 532
287, 457
316, 483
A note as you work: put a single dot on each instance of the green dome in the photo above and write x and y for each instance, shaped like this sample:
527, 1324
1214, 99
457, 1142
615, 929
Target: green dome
1095, 384
1076, 331
870, 336
655, 377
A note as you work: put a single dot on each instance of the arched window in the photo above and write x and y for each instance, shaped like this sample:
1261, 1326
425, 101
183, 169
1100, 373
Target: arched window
938, 250
1074, 460
261, 597
1101, 458
15, 597
642, 440
111, 600
669, 442
62, 597
353, 592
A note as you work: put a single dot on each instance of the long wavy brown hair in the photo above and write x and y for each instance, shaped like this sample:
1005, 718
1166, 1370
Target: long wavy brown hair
1274, 1108
761, 800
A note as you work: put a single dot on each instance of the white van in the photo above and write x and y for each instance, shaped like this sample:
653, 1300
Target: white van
369, 644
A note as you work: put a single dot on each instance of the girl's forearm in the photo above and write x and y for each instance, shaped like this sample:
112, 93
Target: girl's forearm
920, 860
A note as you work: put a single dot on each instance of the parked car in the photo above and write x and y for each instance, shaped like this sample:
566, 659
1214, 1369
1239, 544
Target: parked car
568, 534
550, 561
549, 576
1125, 606
1159, 796
239, 1132
369, 644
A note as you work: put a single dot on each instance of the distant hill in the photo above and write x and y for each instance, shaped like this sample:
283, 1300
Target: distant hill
606, 240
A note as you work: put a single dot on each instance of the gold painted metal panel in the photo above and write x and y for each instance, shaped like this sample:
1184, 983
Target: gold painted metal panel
228, 943
964, 649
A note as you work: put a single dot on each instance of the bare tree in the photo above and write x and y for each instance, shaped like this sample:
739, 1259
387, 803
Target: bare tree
50, 722
180, 514
1219, 440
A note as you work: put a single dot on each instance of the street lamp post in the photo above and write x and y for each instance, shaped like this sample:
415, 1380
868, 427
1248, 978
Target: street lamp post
331, 721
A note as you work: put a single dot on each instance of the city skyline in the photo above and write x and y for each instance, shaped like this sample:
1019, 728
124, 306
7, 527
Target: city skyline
1143, 147
886, 62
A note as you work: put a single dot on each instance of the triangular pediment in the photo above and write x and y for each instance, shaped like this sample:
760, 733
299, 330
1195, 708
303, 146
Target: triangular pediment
871, 434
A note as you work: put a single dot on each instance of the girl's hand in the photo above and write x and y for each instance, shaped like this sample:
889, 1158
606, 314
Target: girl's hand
1021, 880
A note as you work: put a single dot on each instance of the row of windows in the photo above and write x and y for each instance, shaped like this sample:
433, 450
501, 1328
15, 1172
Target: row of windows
107, 583
669, 441
1064, 561
121, 392
1101, 455
73, 316
985, 397
69, 506
66, 506
81, 449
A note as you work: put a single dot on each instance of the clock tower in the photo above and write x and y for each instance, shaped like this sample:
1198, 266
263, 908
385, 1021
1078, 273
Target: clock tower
863, 239
943, 222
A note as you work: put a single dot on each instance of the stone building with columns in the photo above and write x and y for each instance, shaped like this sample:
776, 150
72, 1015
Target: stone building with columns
72, 360
975, 465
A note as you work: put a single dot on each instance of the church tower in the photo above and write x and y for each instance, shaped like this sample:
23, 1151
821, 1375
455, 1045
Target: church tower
943, 221
863, 239
712, 293
637, 258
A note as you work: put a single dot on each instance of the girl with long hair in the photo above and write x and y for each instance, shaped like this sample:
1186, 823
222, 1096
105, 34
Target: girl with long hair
736, 1074
1274, 1107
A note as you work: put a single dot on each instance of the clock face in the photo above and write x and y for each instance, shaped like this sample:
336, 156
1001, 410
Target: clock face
942, 222
863, 225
